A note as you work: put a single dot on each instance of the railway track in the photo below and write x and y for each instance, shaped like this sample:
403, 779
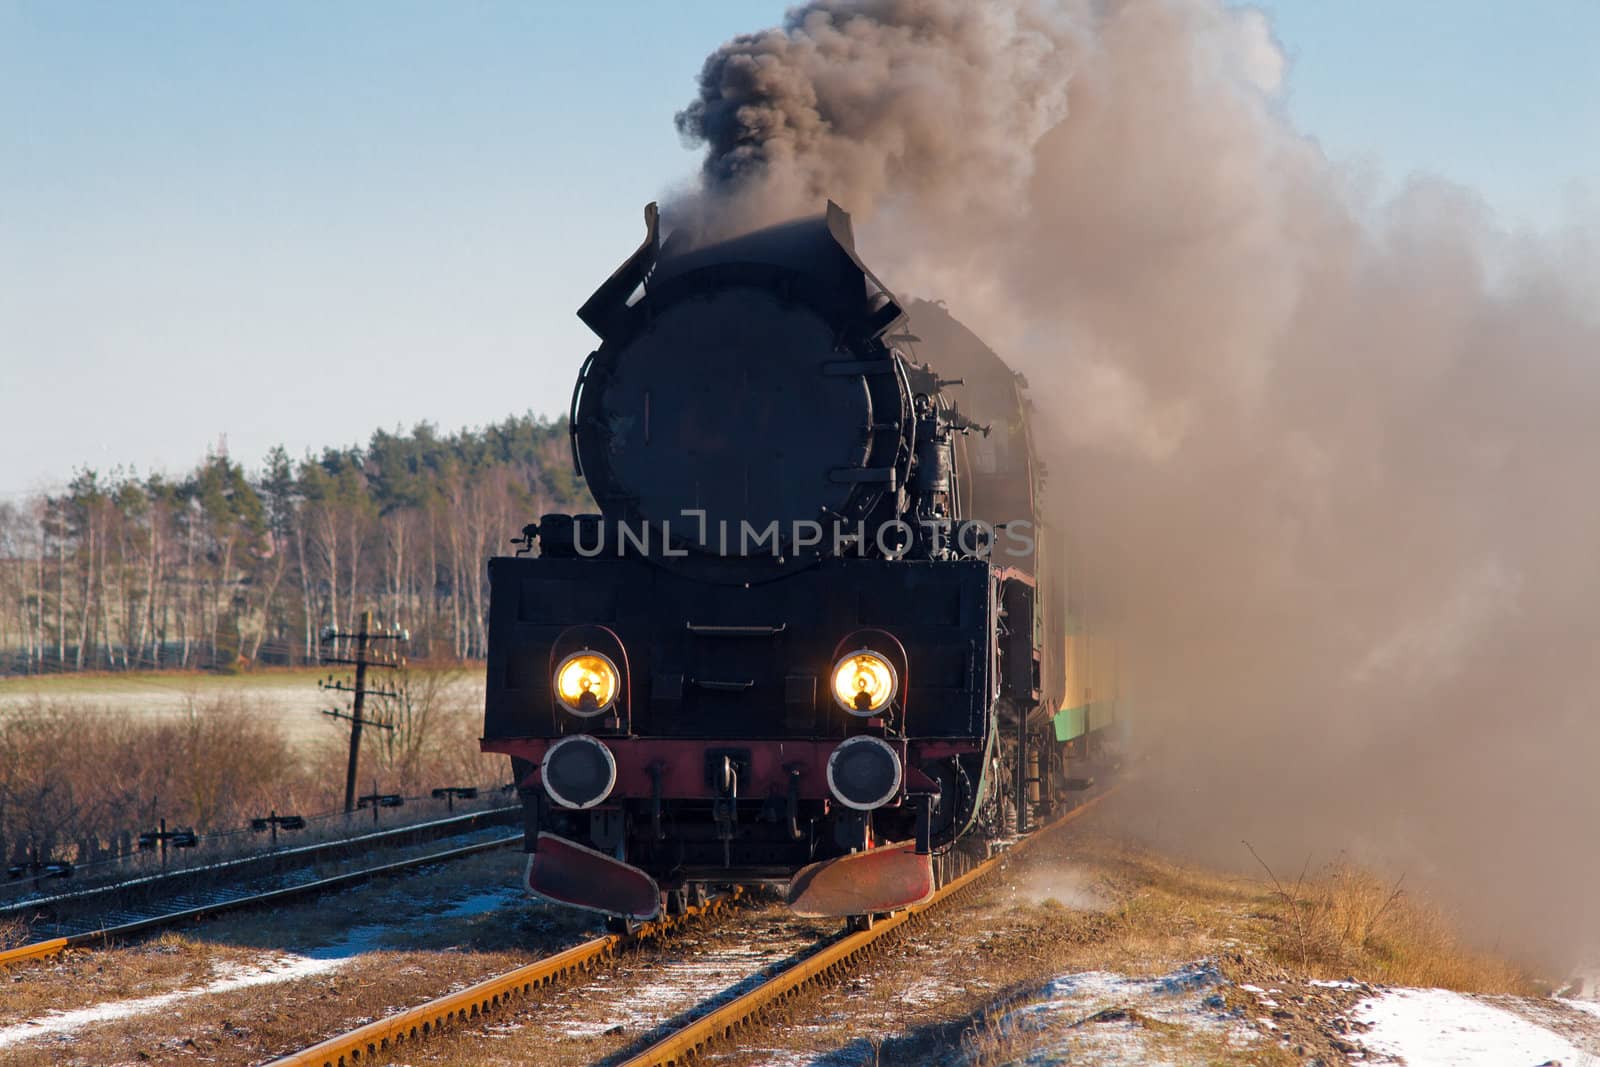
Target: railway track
126, 921
366, 1042
694, 1031
249, 865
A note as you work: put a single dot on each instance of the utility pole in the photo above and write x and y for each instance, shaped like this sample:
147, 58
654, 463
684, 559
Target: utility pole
365, 637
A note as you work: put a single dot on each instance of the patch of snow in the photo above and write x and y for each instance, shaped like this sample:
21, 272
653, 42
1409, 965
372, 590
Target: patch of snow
927, 991
1100, 1017
484, 902
1440, 1028
278, 969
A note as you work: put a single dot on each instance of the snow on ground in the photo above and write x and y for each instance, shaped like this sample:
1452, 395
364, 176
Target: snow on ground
1104, 1018
1440, 1028
283, 968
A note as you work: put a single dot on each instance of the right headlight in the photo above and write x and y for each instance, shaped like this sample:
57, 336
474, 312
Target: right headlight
864, 682
586, 683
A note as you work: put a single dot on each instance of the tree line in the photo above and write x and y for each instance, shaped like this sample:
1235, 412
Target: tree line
225, 567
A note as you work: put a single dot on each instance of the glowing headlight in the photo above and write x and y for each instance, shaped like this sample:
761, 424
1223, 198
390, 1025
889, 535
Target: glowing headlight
586, 683
864, 682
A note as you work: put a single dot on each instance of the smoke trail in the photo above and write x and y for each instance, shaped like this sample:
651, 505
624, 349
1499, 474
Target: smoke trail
1327, 458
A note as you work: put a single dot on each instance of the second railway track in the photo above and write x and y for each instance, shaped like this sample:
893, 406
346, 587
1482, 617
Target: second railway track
115, 919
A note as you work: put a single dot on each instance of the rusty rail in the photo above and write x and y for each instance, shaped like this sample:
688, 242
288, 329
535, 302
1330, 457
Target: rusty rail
364, 1043
38, 950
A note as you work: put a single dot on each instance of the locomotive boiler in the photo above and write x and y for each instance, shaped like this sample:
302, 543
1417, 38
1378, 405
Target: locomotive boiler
817, 635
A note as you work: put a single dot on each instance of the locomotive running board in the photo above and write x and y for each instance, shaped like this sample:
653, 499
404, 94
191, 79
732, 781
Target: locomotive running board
568, 873
880, 879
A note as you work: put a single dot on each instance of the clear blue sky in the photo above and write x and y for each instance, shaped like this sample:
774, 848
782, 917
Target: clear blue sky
298, 222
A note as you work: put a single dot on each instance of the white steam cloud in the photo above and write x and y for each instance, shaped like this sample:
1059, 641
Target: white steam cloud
1328, 459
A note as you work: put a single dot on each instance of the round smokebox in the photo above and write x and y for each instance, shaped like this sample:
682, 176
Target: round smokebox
578, 772
864, 773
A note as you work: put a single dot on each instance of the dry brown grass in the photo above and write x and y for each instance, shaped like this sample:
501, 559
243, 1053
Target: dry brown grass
13, 932
435, 735
75, 769
79, 978
1346, 922
257, 1024
70, 771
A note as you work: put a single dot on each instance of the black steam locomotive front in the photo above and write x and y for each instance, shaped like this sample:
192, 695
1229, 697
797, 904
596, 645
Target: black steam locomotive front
772, 656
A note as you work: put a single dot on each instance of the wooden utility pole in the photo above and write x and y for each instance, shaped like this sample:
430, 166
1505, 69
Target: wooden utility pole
365, 637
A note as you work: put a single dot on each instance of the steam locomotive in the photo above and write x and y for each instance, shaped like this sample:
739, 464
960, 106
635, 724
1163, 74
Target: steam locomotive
818, 635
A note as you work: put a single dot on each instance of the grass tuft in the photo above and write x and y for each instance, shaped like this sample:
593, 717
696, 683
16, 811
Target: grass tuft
1347, 923
13, 932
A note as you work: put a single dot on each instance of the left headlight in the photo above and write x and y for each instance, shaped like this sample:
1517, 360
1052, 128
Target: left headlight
864, 682
586, 683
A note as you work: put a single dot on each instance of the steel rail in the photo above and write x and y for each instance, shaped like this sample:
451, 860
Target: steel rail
41, 949
366, 1042
827, 962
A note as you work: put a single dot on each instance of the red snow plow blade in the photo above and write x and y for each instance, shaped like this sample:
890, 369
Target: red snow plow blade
568, 873
880, 879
